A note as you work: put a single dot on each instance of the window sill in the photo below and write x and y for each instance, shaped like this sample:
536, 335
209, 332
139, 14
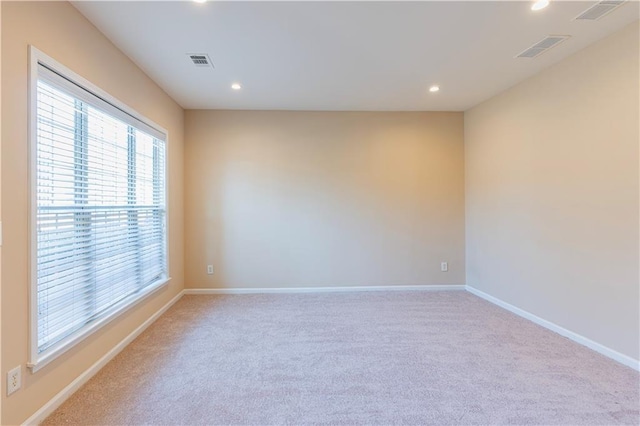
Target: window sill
53, 353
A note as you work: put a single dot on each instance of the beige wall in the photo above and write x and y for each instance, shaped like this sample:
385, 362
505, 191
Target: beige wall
552, 194
303, 199
62, 32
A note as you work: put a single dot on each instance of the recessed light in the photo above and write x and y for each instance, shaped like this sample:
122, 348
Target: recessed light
434, 89
540, 4
236, 86
200, 1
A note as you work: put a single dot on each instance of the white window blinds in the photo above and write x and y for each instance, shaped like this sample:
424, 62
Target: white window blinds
100, 209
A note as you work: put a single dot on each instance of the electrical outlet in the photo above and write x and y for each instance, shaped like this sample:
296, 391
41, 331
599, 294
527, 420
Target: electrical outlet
14, 380
210, 269
444, 266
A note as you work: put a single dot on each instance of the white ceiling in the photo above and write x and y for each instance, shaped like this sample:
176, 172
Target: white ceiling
343, 55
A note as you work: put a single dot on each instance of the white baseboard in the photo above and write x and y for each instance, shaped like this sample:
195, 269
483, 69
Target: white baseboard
39, 416
322, 289
608, 352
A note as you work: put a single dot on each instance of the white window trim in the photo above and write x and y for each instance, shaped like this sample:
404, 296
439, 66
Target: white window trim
37, 361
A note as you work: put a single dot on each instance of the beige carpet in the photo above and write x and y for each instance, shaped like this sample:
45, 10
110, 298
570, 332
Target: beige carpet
352, 358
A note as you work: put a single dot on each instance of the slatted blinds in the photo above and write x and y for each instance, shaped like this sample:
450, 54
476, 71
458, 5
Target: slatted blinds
100, 208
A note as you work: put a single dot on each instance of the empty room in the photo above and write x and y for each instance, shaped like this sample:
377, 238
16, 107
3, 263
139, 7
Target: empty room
320, 212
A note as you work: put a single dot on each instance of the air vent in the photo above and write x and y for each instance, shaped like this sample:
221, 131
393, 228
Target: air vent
599, 10
201, 60
542, 46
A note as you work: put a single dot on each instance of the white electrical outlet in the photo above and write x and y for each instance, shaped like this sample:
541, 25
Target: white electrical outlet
210, 269
444, 266
14, 380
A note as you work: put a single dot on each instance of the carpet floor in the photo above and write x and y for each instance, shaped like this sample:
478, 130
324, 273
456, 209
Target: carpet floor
352, 358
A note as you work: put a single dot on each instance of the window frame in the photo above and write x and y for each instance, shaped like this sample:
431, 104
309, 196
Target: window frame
39, 360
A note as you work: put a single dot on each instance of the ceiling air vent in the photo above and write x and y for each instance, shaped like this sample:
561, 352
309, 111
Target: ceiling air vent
200, 60
599, 10
542, 46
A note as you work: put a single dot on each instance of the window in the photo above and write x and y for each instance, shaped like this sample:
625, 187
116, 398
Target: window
98, 206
